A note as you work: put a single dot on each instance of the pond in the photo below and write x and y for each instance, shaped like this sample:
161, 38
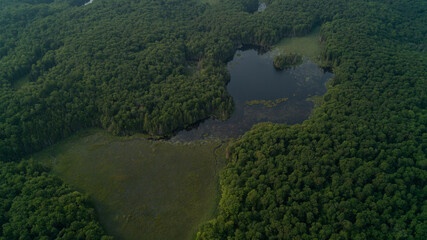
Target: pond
263, 94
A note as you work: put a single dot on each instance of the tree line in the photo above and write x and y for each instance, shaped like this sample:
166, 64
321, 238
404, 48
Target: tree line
355, 170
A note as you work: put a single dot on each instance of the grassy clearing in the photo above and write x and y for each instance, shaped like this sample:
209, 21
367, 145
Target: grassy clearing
308, 45
141, 189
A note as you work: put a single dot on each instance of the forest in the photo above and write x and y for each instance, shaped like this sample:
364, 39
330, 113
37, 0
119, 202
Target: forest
355, 170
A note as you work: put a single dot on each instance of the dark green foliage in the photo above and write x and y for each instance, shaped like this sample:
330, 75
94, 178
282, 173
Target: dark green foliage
37, 205
283, 61
357, 168
150, 66
250, 5
129, 66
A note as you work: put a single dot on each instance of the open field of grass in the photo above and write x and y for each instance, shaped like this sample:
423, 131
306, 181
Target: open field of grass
142, 189
308, 45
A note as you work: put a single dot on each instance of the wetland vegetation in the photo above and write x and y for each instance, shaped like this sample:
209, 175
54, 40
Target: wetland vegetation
160, 189
269, 103
356, 169
139, 187
287, 60
253, 80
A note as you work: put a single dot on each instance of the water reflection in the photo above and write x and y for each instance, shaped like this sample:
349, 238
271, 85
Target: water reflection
253, 77
261, 7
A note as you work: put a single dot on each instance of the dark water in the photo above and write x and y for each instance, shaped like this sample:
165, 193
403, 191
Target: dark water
253, 77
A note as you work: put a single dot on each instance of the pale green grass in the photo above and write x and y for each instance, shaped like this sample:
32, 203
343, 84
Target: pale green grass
308, 45
141, 189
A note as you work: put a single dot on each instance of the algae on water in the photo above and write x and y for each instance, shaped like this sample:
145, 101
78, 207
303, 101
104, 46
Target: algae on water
267, 103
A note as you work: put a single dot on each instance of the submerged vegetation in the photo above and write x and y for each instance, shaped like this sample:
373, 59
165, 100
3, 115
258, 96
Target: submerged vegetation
287, 60
355, 170
267, 103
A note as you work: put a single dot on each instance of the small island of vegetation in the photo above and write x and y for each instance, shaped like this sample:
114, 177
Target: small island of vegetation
357, 169
287, 60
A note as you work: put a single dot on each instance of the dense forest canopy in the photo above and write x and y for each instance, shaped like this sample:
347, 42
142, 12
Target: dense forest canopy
37, 205
355, 170
123, 65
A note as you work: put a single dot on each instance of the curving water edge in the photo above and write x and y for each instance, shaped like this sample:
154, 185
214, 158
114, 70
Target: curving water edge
145, 189
263, 94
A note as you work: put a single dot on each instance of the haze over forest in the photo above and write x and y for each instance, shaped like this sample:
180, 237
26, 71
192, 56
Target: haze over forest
96, 98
